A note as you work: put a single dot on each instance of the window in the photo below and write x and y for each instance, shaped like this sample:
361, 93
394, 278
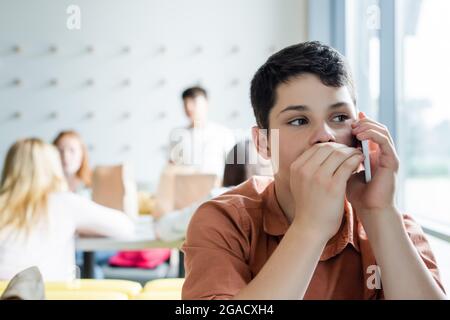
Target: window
363, 51
423, 72
422, 115
399, 55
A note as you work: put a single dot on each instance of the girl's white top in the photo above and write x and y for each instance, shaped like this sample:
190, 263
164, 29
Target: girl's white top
51, 243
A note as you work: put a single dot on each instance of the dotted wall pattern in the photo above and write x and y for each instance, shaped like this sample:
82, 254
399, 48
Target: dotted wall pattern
118, 79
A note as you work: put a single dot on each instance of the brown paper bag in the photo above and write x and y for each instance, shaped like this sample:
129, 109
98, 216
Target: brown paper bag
191, 188
115, 187
180, 186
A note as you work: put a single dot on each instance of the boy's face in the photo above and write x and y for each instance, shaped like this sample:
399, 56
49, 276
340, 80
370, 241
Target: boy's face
308, 112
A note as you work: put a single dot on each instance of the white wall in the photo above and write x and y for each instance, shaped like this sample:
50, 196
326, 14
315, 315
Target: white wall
255, 27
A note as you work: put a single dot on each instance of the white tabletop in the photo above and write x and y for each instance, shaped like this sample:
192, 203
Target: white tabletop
143, 239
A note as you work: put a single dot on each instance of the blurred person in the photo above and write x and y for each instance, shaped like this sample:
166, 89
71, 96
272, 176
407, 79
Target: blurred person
75, 161
39, 217
202, 144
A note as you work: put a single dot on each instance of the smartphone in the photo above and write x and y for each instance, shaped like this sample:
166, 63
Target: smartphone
366, 152
364, 147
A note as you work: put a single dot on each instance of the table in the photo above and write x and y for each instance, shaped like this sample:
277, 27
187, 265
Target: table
144, 238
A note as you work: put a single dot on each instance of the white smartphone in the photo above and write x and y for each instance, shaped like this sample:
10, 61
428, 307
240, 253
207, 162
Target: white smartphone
366, 152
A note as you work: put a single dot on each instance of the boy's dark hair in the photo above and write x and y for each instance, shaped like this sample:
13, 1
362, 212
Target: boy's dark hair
194, 92
308, 57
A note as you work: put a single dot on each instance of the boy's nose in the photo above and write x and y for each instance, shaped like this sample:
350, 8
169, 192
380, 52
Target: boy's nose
323, 135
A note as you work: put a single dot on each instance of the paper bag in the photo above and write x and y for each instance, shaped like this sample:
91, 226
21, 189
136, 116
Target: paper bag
115, 187
180, 186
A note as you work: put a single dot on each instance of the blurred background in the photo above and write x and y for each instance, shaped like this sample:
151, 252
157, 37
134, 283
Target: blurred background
118, 79
114, 70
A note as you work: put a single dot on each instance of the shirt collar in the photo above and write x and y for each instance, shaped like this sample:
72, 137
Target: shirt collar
275, 223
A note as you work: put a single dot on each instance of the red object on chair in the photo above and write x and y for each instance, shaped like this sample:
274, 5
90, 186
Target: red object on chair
144, 259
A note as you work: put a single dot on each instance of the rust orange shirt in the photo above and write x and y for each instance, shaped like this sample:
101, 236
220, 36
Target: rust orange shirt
231, 237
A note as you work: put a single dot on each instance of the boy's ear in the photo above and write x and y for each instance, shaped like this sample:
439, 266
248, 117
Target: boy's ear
261, 141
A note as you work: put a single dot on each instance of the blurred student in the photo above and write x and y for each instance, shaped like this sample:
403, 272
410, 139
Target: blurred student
242, 163
202, 144
39, 217
75, 161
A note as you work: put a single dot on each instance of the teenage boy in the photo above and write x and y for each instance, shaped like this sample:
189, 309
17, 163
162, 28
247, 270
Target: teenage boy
317, 230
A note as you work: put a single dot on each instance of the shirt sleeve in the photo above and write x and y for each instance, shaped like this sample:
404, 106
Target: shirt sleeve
216, 253
422, 245
94, 219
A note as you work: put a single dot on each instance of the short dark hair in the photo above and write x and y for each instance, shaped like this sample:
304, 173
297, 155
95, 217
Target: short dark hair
308, 57
194, 92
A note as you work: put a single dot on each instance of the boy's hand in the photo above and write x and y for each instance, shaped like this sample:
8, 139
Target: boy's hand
318, 180
378, 195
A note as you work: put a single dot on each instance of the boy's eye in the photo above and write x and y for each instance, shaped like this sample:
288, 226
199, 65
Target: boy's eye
298, 122
341, 118
302, 121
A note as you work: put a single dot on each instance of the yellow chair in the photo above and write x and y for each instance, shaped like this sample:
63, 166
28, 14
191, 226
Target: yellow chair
173, 284
84, 295
159, 295
88, 289
129, 288
3, 285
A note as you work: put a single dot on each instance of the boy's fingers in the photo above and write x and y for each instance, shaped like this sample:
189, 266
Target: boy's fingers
375, 126
362, 118
346, 169
380, 139
321, 156
336, 159
306, 156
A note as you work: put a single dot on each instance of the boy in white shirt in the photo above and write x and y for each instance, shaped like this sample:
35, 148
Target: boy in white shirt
202, 144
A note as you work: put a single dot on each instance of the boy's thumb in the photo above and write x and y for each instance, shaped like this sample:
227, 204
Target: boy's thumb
362, 115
